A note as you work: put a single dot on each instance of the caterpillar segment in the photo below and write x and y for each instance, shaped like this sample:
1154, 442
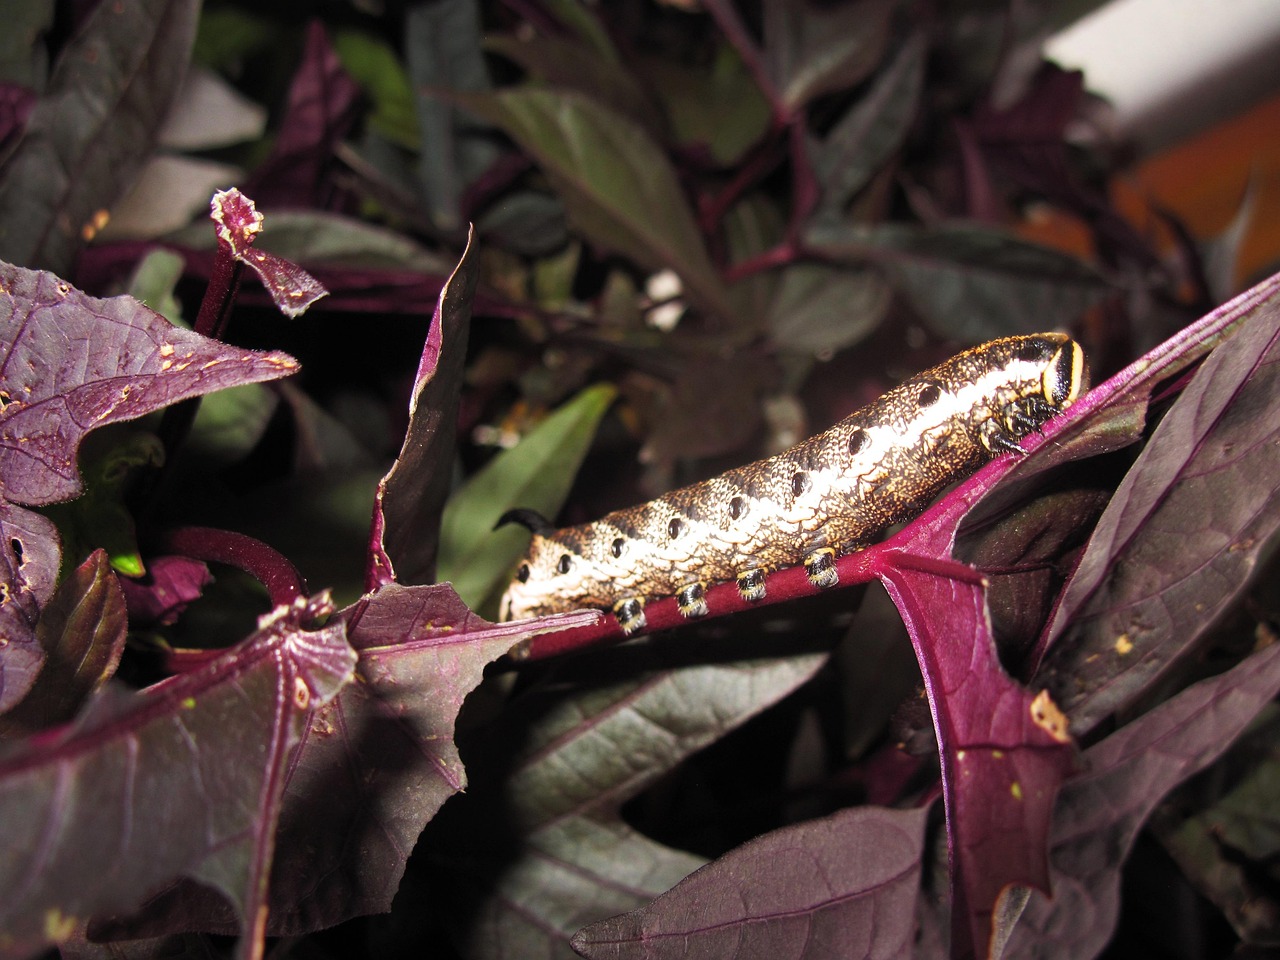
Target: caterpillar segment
829, 495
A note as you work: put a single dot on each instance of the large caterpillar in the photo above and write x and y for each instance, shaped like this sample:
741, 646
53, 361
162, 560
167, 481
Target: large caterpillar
831, 494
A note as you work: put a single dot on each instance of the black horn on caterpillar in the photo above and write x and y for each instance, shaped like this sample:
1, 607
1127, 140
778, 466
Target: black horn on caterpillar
529, 519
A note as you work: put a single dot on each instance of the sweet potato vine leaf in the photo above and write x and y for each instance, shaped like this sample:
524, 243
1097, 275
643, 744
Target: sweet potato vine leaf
374, 766
70, 363
842, 886
617, 185
89, 133
563, 856
94, 817
1207, 481
410, 498
1100, 811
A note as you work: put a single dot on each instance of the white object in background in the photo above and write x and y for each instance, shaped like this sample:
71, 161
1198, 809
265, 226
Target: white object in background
1174, 67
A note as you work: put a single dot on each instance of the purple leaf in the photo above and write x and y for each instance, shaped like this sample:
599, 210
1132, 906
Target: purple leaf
843, 886
72, 363
374, 765
184, 778
1100, 811
81, 632
582, 757
379, 761
317, 116
28, 571
1207, 482
239, 223
410, 498
95, 124
170, 584
1004, 750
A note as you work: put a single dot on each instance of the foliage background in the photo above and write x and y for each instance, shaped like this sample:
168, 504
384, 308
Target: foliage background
702, 234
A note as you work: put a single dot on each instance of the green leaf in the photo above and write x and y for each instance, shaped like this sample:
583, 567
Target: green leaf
154, 280
374, 65
536, 474
970, 283
617, 184
820, 309
719, 108
568, 65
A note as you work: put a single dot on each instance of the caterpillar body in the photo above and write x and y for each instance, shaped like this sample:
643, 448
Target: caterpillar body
831, 494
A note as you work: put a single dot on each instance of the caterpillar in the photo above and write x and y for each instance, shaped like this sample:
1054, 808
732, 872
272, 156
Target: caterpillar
831, 494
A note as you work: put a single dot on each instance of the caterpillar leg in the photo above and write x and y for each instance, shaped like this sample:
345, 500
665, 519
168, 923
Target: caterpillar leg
630, 614
996, 439
821, 568
691, 600
751, 584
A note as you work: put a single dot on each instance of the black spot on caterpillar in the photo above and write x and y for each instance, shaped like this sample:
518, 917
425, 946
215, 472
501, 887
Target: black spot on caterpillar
831, 494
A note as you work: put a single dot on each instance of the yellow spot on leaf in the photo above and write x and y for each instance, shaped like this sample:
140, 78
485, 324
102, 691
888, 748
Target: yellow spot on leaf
1015, 788
1046, 715
301, 695
57, 925
1124, 645
188, 703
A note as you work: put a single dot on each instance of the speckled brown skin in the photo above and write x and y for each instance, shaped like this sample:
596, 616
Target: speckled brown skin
831, 494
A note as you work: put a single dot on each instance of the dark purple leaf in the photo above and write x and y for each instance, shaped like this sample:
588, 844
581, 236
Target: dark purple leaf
1004, 749
1100, 811
184, 778
72, 363
1182, 534
844, 886
81, 632
16, 104
375, 765
170, 584
92, 128
970, 283
318, 115
29, 557
811, 49
443, 52
238, 223
855, 149
410, 498
563, 858
379, 761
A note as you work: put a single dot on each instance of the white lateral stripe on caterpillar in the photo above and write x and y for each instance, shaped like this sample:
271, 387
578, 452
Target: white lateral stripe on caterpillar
831, 494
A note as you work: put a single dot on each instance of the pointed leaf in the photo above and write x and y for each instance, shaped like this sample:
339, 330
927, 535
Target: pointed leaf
1100, 811
72, 363
411, 496
618, 186
81, 632
96, 816
1208, 478
971, 283
536, 474
90, 131
811, 48
843, 886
